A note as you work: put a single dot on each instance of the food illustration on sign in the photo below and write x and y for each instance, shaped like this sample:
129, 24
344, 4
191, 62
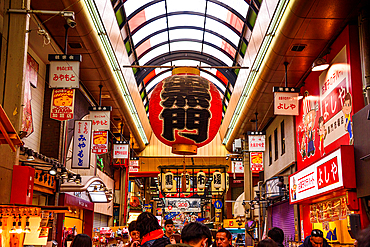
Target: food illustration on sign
100, 138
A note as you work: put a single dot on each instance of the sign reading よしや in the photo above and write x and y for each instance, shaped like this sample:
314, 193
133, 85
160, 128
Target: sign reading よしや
324, 175
286, 101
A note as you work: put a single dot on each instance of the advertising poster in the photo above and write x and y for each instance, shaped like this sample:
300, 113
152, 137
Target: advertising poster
62, 104
256, 161
100, 142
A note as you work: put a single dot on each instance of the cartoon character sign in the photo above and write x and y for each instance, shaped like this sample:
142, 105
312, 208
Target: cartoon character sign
347, 109
293, 191
321, 130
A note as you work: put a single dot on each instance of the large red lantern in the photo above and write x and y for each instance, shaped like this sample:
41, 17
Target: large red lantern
185, 111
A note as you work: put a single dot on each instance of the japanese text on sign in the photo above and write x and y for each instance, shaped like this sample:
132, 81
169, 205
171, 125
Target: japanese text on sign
120, 151
256, 142
81, 145
100, 142
62, 104
286, 103
100, 120
64, 74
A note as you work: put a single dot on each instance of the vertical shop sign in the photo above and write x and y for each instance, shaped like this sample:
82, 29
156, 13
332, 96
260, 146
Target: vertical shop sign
134, 164
81, 145
256, 161
256, 141
64, 71
100, 117
327, 173
286, 101
100, 142
237, 165
120, 151
62, 104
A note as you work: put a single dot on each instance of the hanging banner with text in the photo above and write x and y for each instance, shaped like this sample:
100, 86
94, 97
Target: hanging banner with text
100, 117
64, 71
81, 145
62, 104
134, 166
256, 143
256, 161
120, 151
182, 205
286, 101
237, 165
100, 142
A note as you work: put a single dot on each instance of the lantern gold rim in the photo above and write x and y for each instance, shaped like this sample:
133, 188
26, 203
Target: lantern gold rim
184, 149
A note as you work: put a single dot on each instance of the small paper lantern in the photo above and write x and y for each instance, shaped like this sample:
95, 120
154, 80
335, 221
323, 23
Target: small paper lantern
201, 180
168, 180
217, 180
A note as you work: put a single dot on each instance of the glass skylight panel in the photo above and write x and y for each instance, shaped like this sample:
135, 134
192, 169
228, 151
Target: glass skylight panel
132, 5
212, 79
188, 5
221, 28
186, 63
186, 33
153, 53
186, 45
239, 5
218, 54
208, 37
157, 80
155, 10
148, 29
217, 11
186, 20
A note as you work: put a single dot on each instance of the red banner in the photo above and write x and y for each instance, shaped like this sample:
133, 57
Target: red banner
100, 142
256, 161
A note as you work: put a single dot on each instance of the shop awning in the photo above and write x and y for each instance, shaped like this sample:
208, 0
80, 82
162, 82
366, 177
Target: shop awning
239, 209
94, 186
8, 134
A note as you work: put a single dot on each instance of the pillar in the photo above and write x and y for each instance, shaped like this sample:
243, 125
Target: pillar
13, 60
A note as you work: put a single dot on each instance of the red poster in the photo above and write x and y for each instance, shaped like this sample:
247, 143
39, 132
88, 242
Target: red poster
256, 161
100, 142
62, 104
327, 173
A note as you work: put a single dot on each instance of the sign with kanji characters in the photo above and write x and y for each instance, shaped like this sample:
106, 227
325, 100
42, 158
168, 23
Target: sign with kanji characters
256, 161
286, 103
256, 143
121, 151
100, 142
185, 109
62, 104
322, 176
100, 117
81, 145
182, 205
134, 166
237, 165
64, 71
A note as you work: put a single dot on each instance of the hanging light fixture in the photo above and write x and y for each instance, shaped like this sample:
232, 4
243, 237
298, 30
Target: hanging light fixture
320, 64
64, 173
78, 179
13, 229
53, 170
30, 155
168, 178
27, 228
19, 229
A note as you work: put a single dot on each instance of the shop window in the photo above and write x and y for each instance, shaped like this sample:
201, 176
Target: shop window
270, 151
282, 136
276, 144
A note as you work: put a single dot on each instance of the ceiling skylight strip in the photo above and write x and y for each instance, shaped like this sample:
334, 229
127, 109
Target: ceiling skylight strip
251, 80
114, 65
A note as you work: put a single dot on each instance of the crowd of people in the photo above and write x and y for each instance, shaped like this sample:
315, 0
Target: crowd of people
146, 232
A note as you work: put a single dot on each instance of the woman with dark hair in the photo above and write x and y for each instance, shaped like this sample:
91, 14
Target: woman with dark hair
150, 230
267, 243
81, 240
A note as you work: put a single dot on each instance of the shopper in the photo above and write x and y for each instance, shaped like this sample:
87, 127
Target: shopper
168, 226
363, 238
223, 238
239, 240
151, 231
81, 240
316, 239
277, 235
195, 234
267, 243
134, 234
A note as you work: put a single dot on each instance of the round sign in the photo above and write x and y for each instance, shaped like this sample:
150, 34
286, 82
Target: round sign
185, 109
169, 207
218, 204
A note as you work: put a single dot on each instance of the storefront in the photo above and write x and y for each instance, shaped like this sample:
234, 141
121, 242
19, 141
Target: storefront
324, 193
282, 216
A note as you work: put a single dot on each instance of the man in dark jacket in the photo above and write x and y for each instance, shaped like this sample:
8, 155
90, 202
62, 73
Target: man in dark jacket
277, 235
194, 234
316, 239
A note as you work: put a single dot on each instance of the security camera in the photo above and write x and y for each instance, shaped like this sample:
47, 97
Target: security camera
71, 23
227, 157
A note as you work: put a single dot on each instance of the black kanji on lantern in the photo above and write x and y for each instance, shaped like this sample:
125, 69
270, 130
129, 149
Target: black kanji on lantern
186, 102
217, 178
